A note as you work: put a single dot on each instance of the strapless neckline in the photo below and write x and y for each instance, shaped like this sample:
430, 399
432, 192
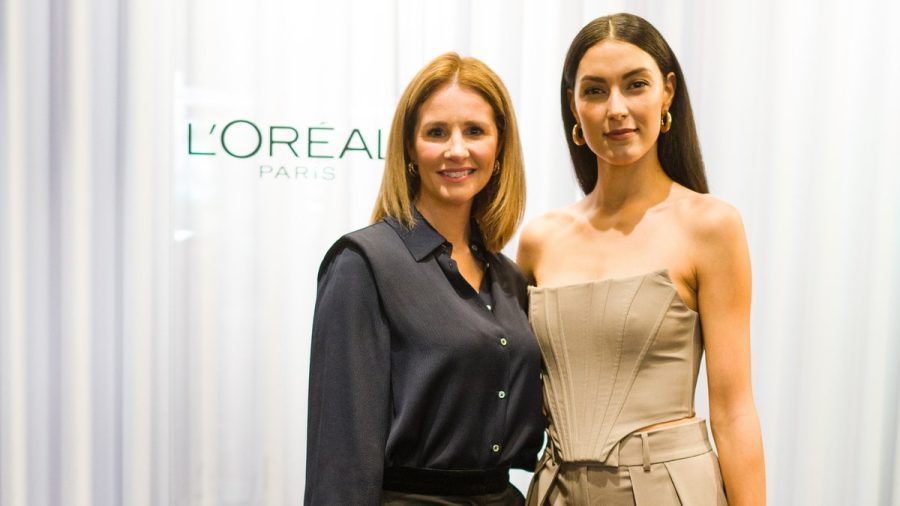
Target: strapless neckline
662, 273
620, 353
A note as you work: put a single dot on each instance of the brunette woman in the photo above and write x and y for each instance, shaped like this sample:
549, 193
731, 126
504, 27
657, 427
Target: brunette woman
634, 283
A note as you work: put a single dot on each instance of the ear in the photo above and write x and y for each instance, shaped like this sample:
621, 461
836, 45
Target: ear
669, 90
409, 145
572, 108
411, 152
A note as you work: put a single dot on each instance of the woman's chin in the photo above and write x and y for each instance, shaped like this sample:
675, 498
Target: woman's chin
622, 158
449, 199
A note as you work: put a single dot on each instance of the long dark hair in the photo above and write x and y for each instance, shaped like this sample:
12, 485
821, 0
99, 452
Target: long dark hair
678, 149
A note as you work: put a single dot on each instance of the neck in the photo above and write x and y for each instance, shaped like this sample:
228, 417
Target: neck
641, 183
451, 221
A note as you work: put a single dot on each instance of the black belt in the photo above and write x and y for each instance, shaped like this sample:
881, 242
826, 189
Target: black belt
445, 482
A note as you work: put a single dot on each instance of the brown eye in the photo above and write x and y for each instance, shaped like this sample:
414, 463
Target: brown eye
435, 132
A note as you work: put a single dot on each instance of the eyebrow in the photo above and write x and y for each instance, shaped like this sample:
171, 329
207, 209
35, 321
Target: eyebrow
445, 123
625, 76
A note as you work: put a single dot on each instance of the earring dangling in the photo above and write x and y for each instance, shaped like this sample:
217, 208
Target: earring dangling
496, 166
411, 168
666, 122
577, 136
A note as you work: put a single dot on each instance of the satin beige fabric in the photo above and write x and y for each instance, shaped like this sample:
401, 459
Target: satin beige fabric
619, 354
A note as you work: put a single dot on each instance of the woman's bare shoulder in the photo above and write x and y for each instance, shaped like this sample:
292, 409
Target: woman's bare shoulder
708, 217
548, 226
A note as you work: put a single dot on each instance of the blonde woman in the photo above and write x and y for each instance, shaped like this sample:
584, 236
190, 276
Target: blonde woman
425, 376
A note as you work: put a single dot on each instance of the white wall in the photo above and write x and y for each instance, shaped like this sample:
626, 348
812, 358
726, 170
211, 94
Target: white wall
156, 304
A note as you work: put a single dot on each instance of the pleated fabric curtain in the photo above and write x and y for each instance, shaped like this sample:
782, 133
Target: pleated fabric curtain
155, 305
84, 200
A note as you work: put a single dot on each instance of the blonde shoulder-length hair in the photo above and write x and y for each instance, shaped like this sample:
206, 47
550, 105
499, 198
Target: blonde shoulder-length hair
499, 207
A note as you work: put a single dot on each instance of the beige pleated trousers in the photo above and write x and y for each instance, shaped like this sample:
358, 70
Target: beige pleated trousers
669, 466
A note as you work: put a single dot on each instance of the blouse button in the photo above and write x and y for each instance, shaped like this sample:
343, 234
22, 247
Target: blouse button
495, 448
489, 308
501, 394
474, 247
503, 341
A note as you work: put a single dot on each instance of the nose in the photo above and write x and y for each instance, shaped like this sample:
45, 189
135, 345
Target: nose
616, 107
456, 147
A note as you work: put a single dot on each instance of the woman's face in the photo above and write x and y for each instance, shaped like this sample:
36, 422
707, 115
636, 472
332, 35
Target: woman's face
454, 146
620, 95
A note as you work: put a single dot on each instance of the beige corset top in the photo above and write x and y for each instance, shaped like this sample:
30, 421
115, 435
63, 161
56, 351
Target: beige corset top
619, 354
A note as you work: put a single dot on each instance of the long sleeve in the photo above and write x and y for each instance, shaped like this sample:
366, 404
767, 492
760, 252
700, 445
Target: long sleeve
349, 386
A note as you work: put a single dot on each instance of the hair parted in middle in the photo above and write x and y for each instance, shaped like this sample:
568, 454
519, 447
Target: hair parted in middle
679, 149
499, 207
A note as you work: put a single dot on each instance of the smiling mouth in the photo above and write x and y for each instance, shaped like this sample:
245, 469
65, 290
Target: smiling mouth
620, 132
456, 173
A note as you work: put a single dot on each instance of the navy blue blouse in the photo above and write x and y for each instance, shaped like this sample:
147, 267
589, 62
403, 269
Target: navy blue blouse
412, 368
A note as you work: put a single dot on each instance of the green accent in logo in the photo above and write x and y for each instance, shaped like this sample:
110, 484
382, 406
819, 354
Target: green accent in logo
290, 144
191, 142
310, 142
258, 138
281, 134
350, 139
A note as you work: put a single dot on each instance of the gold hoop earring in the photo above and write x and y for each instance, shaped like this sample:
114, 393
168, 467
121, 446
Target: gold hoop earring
411, 168
496, 166
578, 138
666, 122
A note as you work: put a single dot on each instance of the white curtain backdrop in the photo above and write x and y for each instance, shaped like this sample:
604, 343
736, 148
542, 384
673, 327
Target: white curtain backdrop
157, 270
